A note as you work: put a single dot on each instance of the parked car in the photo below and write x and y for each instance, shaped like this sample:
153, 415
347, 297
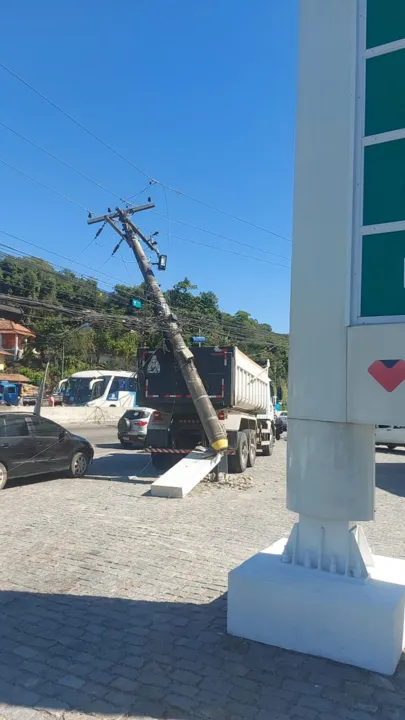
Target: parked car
33, 445
390, 435
284, 419
133, 426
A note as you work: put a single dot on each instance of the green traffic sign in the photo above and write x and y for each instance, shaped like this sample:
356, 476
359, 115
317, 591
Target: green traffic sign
383, 275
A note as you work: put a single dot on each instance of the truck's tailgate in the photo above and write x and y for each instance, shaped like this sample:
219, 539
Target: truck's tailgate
160, 382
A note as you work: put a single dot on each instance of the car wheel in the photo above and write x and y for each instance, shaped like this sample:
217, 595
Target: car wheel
3, 476
79, 465
252, 448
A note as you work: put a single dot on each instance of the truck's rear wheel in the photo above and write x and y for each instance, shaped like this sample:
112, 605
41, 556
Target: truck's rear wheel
252, 448
238, 463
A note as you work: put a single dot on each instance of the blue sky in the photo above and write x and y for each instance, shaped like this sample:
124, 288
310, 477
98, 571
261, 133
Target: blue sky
201, 95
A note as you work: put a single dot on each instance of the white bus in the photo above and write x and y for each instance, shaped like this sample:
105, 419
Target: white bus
100, 388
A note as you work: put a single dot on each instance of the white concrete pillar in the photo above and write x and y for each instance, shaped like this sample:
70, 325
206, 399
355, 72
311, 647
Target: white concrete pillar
322, 591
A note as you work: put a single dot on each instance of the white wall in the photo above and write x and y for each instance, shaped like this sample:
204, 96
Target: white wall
77, 415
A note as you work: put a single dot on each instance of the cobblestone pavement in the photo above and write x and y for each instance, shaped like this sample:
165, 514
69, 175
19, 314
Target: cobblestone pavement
112, 602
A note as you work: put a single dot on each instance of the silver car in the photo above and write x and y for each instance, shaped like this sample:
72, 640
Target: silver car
133, 426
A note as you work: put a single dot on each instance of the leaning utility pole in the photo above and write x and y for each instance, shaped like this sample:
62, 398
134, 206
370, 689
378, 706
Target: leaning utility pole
130, 233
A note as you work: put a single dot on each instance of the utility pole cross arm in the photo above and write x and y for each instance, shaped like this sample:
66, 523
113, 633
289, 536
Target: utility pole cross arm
115, 215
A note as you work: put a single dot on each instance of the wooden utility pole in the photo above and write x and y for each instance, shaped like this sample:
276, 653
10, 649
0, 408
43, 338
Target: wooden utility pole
132, 235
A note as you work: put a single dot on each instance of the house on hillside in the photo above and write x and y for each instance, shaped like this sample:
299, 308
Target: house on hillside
13, 338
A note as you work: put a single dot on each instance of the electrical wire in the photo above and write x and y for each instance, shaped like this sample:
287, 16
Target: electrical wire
98, 233
114, 194
104, 320
63, 257
147, 187
178, 237
62, 162
73, 120
224, 212
215, 324
47, 187
167, 217
152, 180
222, 237
231, 252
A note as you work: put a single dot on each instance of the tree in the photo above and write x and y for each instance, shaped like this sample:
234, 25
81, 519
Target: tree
198, 312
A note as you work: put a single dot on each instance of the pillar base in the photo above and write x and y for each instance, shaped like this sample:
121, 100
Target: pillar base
357, 621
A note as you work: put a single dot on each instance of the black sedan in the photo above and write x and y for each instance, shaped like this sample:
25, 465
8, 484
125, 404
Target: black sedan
33, 445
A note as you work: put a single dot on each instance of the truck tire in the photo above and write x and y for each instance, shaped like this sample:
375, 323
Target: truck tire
238, 463
252, 448
267, 450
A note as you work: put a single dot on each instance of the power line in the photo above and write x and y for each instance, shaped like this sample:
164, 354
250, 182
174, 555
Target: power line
62, 162
178, 237
111, 192
222, 237
152, 180
231, 252
224, 212
104, 319
73, 120
38, 182
98, 233
63, 257
215, 324
132, 197
100, 320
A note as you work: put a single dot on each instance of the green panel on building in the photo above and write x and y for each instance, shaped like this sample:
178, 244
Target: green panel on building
382, 275
385, 93
385, 21
384, 183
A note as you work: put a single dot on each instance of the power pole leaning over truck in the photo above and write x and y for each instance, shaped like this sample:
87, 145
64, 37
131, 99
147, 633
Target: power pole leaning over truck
213, 429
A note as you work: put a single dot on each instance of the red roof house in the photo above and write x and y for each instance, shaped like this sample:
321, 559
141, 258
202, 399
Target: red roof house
13, 337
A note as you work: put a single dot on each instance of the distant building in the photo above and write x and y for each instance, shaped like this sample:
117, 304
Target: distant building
13, 338
4, 354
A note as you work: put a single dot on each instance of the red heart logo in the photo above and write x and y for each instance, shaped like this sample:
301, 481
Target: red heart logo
388, 373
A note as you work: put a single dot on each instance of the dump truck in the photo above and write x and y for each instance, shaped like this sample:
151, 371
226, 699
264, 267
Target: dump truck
17, 393
239, 390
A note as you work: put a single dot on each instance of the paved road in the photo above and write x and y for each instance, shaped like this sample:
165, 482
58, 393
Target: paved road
112, 602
